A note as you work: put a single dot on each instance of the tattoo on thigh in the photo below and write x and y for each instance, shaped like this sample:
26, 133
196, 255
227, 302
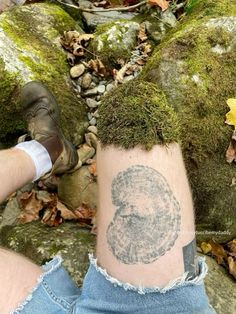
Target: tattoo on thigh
147, 219
189, 256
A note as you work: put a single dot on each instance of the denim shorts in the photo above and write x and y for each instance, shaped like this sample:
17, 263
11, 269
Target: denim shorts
56, 293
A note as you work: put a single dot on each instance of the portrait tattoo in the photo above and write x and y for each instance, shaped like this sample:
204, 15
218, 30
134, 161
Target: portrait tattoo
190, 259
147, 219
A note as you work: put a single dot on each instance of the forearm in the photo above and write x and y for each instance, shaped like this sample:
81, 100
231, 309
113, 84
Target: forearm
145, 216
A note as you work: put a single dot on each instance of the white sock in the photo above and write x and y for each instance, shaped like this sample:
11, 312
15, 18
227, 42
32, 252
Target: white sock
39, 155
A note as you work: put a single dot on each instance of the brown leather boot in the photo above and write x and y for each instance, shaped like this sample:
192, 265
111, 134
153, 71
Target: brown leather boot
42, 115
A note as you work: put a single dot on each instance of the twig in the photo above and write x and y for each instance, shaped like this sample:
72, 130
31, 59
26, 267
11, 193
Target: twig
104, 10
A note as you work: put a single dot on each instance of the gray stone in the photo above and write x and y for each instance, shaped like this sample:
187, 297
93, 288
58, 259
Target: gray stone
10, 213
128, 78
98, 18
91, 103
111, 41
86, 80
77, 70
93, 121
41, 244
101, 89
77, 188
30, 49
109, 87
220, 288
91, 92
93, 129
91, 139
85, 152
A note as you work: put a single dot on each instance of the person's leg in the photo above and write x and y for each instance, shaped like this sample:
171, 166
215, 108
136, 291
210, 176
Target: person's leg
26, 162
17, 277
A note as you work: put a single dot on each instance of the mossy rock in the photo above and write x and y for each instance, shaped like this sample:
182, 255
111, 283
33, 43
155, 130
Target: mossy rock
30, 50
41, 243
134, 114
195, 67
114, 40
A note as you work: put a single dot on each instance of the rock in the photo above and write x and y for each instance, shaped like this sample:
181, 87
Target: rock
40, 243
86, 80
78, 188
10, 213
77, 70
101, 89
128, 78
113, 40
159, 23
30, 50
220, 288
91, 103
6, 4
91, 139
109, 87
93, 121
195, 68
85, 152
91, 92
97, 18
93, 129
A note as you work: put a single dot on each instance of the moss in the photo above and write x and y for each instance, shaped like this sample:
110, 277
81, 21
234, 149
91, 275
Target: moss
134, 114
113, 49
213, 8
9, 104
45, 60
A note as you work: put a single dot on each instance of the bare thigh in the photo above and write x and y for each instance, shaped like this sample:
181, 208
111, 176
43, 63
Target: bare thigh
18, 276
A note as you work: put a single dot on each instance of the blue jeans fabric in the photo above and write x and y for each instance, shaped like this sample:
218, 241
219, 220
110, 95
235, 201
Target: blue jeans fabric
57, 293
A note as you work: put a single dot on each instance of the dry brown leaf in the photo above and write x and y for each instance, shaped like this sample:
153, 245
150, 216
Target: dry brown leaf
51, 215
218, 252
140, 61
66, 213
163, 4
69, 38
98, 67
206, 247
232, 266
142, 35
119, 75
84, 213
231, 151
78, 50
93, 168
30, 207
84, 39
232, 246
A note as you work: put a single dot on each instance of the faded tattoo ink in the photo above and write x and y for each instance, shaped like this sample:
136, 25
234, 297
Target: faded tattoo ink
147, 218
190, 259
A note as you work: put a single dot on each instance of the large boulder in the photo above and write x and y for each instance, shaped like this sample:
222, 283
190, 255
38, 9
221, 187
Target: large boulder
30, 50
195, 67
41, 243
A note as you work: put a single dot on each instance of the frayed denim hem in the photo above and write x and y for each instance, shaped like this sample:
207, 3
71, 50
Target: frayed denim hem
48, 268
173, 284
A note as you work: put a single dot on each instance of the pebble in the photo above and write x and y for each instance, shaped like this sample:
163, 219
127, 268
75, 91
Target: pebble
93, 121
77, 70
128, 78
91, 139
91, 92
109, 87
95, 114
91, 103
98, 97
93, 129
86, 80
92, 85
95, 79
78, 89
103, 82
101, 89
85, 152
90, 115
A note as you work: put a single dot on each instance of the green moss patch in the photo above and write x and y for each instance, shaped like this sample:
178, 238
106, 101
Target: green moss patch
135, 114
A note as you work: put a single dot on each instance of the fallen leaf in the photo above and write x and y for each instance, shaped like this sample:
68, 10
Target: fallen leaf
93, 169
232, 266
84, 39
218, 252
206, 247
232, 246
98, 67
142, 35
84, 213
231, 150
163, 4
231, 115
66, 213
78, 50
30, 207
51, 216
119, 75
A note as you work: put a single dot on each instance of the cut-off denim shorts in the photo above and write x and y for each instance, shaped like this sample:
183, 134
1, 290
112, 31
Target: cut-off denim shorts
56, 293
